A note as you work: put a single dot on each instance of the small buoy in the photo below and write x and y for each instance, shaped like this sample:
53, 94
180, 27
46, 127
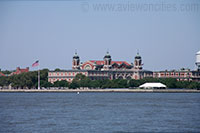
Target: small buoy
77, 92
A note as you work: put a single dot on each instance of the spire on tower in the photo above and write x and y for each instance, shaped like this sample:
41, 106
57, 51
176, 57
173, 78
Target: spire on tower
76, 61
107, 52
138, 61
75, 52
107, 61
138, 52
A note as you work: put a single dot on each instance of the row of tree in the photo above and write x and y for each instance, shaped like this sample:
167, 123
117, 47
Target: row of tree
29, 80
83, 81
26, 80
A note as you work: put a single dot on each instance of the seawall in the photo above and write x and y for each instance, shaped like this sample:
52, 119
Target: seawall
104, 90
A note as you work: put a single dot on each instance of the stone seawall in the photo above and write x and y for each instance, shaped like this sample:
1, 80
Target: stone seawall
106, 90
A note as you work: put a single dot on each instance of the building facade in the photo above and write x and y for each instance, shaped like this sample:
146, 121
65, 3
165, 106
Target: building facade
180, 75
183, 74
19, 71
102, 69
1, 74
109, 69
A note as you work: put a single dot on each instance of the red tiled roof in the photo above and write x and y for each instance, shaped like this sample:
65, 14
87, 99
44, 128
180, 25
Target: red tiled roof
19, 70
24, 70
100, 62
1, 74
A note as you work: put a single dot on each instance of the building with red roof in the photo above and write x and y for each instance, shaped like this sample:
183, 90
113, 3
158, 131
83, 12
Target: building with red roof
106, 64
109, 69
19, 71
1, 74
102, 69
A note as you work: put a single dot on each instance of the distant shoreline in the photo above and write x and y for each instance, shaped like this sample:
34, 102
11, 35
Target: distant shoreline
103, 90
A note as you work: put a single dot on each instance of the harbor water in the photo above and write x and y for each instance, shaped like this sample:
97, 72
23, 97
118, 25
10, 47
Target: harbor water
99, 112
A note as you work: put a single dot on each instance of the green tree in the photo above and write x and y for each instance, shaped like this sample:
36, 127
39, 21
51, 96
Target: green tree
44, 74
4, 81
169, 82
45, 84
95, 84
106, 83
74, 85
194, 85
79, 77
6, 72
62, 83
122, 83
57, 70
133, 83
82, 80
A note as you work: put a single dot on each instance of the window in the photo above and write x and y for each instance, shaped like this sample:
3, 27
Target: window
172, 74
88, 67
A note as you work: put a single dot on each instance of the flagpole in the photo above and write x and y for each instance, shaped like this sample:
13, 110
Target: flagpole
38, 76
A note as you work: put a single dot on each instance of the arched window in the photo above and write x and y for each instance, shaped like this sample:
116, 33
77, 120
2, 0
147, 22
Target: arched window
88, 67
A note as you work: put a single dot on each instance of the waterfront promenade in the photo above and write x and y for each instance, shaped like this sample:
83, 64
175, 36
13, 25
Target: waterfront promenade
105, 90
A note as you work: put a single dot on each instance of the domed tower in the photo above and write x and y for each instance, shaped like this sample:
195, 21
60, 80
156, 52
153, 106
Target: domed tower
198, 61
76, 61
107, 61
138, 62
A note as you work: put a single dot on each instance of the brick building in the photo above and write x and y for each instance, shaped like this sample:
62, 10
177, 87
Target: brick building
1, 74
109, 69
183, 74
180, 75
102, 69
19, 71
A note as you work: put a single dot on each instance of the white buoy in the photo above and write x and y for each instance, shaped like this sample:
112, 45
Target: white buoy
78, 92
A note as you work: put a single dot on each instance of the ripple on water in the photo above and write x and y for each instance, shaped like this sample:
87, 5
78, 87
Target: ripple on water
99, 112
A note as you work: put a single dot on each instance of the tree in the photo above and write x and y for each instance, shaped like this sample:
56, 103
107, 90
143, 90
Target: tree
7, 72
106, 83
194, 85
95, 83
169, 82
82, 80
57, 70
44, 74
74, 85
62, 83
46, 84
79, 77
133, 83
122, 83
4, 81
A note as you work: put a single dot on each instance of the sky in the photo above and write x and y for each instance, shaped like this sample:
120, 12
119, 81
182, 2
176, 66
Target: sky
166, 33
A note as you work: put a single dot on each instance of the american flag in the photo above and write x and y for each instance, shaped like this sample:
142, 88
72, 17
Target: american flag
35, 64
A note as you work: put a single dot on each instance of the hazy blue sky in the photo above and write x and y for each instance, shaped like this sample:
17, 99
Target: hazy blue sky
167, 34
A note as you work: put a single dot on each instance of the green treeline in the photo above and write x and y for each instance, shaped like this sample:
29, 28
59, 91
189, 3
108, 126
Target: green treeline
83, 81
26, 80
30, 80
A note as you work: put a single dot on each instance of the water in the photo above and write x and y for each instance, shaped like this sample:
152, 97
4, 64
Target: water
99, 112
